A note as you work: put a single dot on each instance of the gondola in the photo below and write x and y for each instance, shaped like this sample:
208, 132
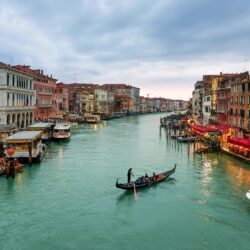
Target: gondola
151, 180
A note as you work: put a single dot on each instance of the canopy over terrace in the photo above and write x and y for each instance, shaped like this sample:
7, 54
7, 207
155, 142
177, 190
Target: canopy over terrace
200, 130
240, 142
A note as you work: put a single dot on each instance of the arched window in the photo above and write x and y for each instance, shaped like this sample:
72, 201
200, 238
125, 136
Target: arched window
8, 119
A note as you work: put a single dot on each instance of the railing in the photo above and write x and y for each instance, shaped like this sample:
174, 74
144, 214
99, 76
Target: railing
16, 108
45, 93
44, 105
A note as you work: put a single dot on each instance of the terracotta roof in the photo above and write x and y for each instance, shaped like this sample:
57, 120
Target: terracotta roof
36, 72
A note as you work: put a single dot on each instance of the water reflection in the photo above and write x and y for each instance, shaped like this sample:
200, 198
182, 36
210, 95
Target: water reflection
240, 174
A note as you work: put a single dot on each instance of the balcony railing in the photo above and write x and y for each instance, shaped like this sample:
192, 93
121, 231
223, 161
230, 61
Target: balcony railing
44, 105
45, 93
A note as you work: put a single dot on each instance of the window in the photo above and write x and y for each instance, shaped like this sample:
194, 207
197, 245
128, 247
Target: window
242, 123
8, 97
236, 99
13, 99
13, 80
243, 87
8, 79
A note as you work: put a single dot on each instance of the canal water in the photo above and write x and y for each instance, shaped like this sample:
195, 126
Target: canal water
69, 201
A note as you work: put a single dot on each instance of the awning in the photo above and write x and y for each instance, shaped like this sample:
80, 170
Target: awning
239, 142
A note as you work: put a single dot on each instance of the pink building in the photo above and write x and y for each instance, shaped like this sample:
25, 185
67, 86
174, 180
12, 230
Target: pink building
45, 87
62, 99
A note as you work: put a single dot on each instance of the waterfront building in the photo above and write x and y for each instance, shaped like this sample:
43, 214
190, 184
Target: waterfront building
101, 101
155, 104
206, 107
143, 105
126, 90
87, 102
62, 99
123, 104
240, 104
45, 87
196, 104
81, 97
216, 79
223, 101
17, 102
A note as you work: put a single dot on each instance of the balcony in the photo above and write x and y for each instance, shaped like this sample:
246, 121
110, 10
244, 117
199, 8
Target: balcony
45, 93
16, 108
44, 105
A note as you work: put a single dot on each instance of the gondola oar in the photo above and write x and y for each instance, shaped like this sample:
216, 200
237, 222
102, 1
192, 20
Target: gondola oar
135, 195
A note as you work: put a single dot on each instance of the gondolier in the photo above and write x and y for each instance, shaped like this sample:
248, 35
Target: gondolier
130, 173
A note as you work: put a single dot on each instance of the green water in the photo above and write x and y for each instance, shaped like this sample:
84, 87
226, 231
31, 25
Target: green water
70, 200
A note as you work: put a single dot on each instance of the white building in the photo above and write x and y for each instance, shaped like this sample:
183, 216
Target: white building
206, 108
101, 100
17, 97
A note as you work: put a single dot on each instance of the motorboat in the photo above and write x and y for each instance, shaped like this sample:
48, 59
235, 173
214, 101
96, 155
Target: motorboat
61, 132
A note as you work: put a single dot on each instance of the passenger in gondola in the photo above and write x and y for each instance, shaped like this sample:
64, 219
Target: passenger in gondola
130, 173
146, 177
140, 180
154, 177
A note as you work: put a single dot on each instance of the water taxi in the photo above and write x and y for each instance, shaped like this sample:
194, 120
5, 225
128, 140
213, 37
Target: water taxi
92, 119
61, 132
27, 144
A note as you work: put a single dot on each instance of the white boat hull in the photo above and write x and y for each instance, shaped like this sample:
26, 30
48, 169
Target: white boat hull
248, 195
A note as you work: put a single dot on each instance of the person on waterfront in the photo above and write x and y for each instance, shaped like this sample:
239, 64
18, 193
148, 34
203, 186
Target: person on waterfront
130, 173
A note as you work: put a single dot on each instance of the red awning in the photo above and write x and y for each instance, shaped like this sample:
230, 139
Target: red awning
240, 142
203, 129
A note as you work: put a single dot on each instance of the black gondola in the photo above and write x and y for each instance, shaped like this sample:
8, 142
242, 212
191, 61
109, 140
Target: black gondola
151, 180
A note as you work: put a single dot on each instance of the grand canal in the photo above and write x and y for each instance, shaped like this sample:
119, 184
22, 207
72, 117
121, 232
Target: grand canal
70, 200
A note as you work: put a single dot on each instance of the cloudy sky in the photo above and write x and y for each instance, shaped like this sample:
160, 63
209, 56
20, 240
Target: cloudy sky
161, 46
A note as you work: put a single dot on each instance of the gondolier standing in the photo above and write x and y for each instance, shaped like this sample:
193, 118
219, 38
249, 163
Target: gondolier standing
129, 175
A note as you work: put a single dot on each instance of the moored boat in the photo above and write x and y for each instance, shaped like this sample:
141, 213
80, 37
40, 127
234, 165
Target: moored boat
186, 138
61, 132
92, 119
147, 182
27, 144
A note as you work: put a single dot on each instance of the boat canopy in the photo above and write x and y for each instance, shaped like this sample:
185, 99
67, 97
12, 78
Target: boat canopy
24, 136
240, 142
62, 126
7, 128
42, 125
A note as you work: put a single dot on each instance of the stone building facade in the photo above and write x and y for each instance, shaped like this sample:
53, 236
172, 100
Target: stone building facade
17, 96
